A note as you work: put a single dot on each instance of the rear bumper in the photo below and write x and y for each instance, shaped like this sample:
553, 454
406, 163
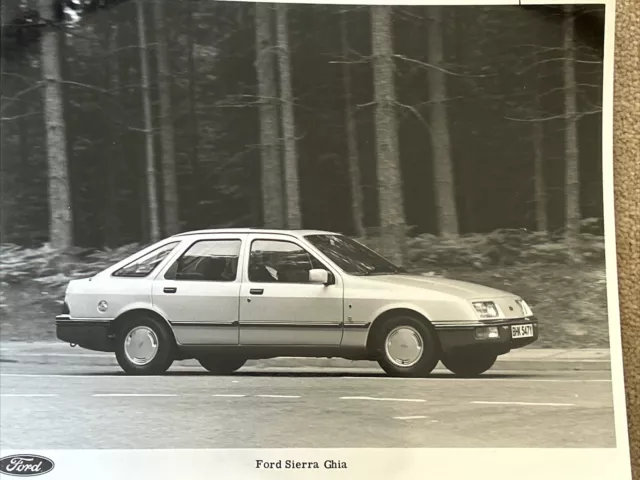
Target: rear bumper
89, 334
462, 336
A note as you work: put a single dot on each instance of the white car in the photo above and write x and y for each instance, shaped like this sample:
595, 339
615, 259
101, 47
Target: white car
227, 296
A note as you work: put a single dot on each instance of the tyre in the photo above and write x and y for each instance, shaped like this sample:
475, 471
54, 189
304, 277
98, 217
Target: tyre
221, 365
407, 347
145, 346
465, 364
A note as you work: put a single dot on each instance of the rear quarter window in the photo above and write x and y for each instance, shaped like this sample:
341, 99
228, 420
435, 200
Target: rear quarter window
145, 265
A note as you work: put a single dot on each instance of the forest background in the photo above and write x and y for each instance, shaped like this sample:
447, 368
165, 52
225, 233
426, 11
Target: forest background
463, 141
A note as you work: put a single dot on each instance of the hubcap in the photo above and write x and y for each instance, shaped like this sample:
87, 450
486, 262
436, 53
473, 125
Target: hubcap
141, 345
404, 346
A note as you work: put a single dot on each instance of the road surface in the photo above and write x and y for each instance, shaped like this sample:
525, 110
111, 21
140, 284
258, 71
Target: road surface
56, 407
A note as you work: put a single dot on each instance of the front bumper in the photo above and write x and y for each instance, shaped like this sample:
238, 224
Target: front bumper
90, 334
456, 336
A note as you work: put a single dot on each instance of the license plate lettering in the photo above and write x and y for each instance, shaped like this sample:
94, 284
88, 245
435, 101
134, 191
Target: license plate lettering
521, 331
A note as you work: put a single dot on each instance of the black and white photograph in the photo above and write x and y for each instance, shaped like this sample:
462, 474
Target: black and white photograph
250, 225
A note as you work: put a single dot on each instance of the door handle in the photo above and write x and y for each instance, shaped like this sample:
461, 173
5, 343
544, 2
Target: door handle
256, 291
169, 289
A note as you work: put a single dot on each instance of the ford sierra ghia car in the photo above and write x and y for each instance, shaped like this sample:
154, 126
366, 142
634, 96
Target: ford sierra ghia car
224, 297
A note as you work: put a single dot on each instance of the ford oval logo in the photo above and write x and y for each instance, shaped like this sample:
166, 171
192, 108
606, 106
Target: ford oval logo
25, 465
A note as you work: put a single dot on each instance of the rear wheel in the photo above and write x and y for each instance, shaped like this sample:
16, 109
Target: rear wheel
469, 364
222, 365
145, 346
407, 347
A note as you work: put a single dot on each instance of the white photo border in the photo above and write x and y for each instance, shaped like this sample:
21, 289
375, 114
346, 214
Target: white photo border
408, 463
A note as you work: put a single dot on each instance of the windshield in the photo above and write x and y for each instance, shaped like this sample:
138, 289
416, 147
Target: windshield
351, 256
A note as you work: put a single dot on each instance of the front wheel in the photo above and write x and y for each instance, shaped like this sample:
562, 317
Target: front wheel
465, 364
144, 346
221, 365
407, 347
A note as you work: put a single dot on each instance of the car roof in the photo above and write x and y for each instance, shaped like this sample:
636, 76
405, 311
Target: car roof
292, 232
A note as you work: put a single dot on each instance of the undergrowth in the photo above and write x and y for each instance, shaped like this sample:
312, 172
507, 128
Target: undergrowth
566, 287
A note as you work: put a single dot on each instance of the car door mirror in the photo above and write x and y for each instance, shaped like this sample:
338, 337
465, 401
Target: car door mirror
320, 276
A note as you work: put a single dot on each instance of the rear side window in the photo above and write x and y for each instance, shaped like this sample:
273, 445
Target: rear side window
147, 264
207, 261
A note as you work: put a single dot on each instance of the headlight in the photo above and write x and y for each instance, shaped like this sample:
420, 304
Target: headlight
486, 309
526, 311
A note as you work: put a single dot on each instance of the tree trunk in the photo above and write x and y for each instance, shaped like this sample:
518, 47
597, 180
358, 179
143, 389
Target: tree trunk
24, 174
60, 218
169, 180
271, 168
540, 192
463, 56
292, 181
152, 194
572, 172
25, 150
114, 151
537, 140
445, 192
357, 212
194, 204
392, 221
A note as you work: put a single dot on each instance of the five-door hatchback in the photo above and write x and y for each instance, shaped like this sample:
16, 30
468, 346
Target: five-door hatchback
227, 296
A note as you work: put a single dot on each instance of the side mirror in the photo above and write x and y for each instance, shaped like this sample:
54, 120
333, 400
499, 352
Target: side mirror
321, 277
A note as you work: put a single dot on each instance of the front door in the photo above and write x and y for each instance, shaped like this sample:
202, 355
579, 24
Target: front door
278, 305
199, 292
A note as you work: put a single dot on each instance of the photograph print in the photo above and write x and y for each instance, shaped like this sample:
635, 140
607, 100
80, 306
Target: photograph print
276, 225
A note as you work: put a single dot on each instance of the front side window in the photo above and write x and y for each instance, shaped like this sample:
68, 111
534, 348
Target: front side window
351, 256
208, 261
147, 264
280, 261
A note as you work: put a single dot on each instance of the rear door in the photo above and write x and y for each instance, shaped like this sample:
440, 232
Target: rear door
199, 291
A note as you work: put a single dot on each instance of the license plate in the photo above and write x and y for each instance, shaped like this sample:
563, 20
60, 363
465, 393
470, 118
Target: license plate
521, 331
